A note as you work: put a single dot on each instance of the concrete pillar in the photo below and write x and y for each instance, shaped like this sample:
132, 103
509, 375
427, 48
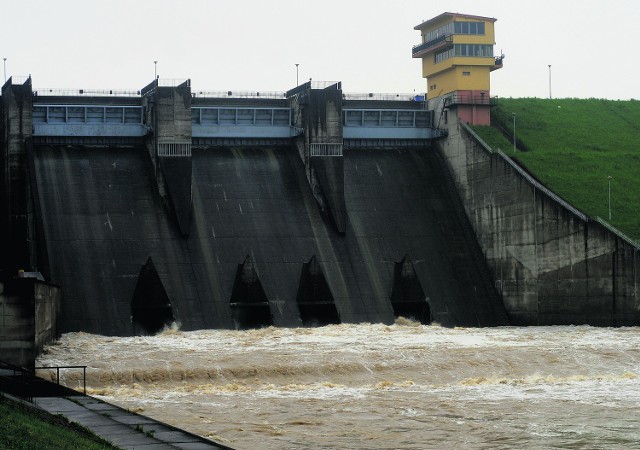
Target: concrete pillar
17, 222
29, 309
168, 113
319, 113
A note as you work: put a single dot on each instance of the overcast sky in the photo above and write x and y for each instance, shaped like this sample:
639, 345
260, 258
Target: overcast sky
253, 45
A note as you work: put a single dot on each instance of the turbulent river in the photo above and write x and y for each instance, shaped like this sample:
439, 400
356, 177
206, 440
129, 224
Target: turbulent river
404, 386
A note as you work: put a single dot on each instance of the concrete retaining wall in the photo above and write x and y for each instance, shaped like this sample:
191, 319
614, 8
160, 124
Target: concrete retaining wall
552, 264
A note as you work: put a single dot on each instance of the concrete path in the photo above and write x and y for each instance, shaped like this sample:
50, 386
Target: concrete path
120, 427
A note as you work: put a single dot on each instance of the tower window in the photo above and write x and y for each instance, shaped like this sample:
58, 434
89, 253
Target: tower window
469, 27
466, 74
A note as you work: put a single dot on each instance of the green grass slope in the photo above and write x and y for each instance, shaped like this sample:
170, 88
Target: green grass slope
573, 146
22, 428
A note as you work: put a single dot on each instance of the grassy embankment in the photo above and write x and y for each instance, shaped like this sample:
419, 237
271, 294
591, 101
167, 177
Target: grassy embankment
22, 428
573, 146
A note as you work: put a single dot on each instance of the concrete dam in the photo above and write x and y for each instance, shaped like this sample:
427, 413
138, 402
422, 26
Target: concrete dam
236, 213
128, 212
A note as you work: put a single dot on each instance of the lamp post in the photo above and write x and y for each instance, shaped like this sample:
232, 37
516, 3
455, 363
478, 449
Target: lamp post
514, 132
609, 179
155, 70
297, 83
4, 64
549, 81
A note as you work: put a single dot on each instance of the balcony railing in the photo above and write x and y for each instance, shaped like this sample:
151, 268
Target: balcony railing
469, 99
432, 43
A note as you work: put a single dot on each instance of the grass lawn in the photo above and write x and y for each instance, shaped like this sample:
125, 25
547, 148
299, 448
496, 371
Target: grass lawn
21, 428
573, 146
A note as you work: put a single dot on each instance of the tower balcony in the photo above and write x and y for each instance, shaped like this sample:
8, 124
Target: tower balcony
498, 63
473, 98
421, 49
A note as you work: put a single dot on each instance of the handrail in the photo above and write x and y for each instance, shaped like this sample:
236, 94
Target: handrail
419, 47
172, 82
458, 99
635, 244
86, 92
84, 374
383, 96
238, 94
91, 105
535, 183
14, 368
19, 79
325, 84
325, 149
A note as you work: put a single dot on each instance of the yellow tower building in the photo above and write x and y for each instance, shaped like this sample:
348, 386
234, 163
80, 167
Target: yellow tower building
457, 59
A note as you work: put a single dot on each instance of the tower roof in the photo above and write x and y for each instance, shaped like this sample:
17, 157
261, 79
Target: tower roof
449, 15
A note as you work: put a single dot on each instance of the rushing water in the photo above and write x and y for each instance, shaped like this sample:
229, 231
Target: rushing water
403, 386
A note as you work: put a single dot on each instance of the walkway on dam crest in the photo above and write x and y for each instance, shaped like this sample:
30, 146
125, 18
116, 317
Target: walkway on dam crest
122, 428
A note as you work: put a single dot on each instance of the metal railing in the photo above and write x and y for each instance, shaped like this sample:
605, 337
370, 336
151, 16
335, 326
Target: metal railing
238, 94
541, 187
15, 370
173, 82
383, 96
19, 79
535, 183
57, 369
174, 149
325, 84
419, 47
86, 92
469, 99
325, 149
635, 244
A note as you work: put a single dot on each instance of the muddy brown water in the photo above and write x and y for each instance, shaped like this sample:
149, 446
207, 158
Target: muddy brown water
404, 386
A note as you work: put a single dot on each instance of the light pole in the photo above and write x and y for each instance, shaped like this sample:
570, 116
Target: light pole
609, 178
297, 83
4, 64
155, 70
514, 132
549, 81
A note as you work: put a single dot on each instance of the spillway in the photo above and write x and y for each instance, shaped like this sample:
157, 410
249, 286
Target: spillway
256, 225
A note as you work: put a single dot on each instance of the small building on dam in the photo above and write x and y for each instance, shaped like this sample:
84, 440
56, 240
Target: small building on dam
123, 212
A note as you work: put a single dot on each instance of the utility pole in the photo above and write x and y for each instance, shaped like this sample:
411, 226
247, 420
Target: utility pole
155, 70
609, 178
4, 63
514, 133
549, 81
297, 83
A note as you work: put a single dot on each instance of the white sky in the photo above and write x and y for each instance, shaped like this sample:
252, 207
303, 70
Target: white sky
253, 45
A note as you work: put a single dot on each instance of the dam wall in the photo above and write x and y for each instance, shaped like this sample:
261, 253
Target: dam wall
551, 263
256, 236
305, 208
231, 213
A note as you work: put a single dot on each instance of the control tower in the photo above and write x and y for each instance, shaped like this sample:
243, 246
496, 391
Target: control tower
457, 59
